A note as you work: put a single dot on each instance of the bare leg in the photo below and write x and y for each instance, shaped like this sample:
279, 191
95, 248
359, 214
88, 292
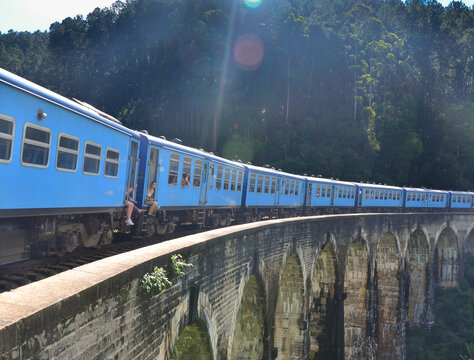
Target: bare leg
129, 209
152, 209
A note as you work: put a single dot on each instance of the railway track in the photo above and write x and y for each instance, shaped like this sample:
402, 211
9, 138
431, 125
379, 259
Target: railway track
19, 274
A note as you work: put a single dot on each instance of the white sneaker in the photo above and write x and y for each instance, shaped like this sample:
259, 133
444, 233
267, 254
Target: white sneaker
129, 222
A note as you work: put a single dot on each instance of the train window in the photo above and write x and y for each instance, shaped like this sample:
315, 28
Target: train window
297, 186
7, 129
318, 188
226, 178
197, 173
292, 187
366, 194
186, 171
219, 177
112, 159
68, 151
266, 188
464, 199
352, 193
385, 195
232, 183
173, 171
328, 191
344, 193
92, 153
259, 183
409, 196
287, 186
239, 181
36, 145
282, 186
273, 186
253, 177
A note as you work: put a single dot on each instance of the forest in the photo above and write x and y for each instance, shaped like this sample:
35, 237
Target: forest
369, 90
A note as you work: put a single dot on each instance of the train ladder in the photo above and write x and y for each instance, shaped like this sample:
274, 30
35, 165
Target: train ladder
201, 217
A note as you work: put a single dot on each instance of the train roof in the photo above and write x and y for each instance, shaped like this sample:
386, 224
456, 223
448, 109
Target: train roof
330, 181
272, 171
76, 106
167, 144
379, 186
461, 192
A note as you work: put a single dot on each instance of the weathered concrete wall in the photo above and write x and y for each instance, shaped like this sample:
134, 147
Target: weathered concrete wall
321, 287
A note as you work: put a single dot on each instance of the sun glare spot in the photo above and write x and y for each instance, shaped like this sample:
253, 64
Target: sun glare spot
253, 3
248, 52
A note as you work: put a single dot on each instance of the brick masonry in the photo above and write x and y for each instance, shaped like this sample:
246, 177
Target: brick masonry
343, 284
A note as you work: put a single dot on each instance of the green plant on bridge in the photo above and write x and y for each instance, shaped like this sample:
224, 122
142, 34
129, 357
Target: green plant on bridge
155, 280
158, 278
178, 264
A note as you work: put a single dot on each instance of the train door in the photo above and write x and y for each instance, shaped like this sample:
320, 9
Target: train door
279, 189
310, 191
152, 170
132, 166
204, 177
333, 190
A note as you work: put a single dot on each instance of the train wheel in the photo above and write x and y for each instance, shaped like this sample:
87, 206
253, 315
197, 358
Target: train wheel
67, 243
161, 229
150, 229
107, 237
171, 227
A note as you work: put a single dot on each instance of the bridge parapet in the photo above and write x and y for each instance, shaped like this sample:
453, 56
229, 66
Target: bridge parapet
340, 286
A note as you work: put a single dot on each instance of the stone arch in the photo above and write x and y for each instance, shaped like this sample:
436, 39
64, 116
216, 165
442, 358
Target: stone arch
356, 302
250, 322
417, 258
193, 343
469, 243
322, 305
388, 297
447, 259
288, 337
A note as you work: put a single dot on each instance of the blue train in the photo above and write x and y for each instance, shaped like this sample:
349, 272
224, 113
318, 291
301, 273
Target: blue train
65, 168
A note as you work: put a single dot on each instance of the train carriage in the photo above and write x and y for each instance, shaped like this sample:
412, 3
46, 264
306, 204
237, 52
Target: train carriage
193, 186
64, 168
379, 196
270, 193
415, 198
461, 200
324, 195
437, 199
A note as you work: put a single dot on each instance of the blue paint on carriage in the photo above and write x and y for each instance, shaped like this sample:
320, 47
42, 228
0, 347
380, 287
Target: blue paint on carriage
175, 194
437, 198
415, 198
33, 187
461, 199
267, 187
372, 195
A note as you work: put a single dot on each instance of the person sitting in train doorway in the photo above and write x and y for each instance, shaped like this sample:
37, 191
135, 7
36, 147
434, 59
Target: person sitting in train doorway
185, 180
129, 203
150, 199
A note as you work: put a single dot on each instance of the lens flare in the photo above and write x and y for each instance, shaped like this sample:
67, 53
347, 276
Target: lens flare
253, 3
248, 52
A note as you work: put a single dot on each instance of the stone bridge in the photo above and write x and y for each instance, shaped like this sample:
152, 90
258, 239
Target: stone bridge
325, 287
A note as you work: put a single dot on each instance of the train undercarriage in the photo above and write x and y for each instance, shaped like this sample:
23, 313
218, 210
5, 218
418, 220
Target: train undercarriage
24, 238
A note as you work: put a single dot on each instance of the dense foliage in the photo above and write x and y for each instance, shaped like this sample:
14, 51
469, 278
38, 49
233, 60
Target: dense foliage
366, 90
452, 336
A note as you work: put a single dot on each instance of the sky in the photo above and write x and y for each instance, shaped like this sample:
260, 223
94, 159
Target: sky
32, 15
